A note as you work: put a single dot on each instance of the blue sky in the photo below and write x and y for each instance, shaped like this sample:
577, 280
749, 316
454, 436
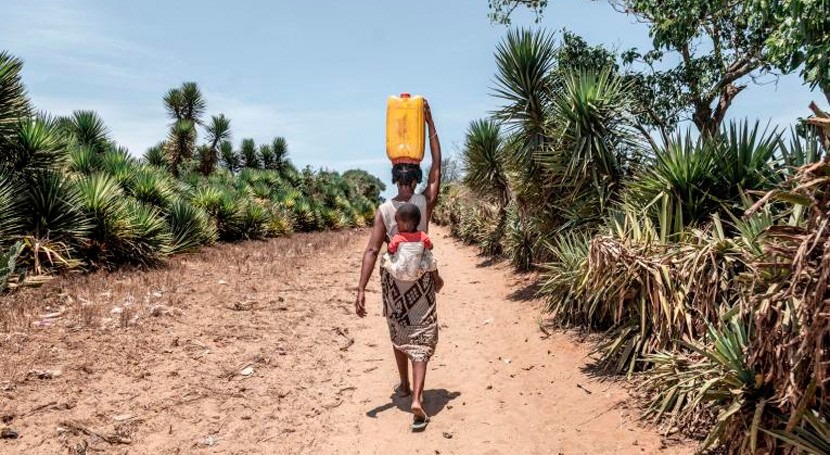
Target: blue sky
316, 72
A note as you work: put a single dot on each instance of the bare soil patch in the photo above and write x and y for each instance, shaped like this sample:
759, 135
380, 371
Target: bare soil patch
253, 348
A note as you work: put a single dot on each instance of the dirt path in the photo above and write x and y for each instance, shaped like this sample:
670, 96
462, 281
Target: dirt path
252, 348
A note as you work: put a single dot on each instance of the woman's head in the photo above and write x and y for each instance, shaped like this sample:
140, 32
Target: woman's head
407, 175
408, 217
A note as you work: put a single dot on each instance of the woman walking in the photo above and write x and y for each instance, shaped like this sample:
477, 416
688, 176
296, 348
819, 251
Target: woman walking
409, 306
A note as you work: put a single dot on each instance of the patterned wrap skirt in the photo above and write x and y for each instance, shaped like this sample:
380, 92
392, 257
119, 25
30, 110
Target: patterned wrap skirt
409, 307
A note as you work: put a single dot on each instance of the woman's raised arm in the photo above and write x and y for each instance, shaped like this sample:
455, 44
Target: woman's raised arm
370, 257
434, 180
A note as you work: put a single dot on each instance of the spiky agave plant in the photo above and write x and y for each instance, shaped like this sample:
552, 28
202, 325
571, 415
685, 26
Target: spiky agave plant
712, 388
208, 198
254, 219
280, 221
84, 160
156, 156
151, 186
34, 146
229, 216
592, 144
119, 164
104, 203
190, 226
151, 239
55, 225
674, 190
563, 278
523, 81
85, 129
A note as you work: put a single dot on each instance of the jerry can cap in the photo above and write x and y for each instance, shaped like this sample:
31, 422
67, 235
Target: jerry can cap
405, 95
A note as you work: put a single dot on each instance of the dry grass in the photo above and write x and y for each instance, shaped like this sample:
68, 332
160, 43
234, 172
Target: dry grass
121, 299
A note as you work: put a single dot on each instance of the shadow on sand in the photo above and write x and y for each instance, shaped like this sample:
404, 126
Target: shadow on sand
435, 400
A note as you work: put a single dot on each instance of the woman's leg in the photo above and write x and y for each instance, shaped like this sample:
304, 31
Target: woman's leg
403, 371
419, 373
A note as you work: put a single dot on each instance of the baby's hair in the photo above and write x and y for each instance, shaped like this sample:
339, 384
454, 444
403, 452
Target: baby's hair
408, 217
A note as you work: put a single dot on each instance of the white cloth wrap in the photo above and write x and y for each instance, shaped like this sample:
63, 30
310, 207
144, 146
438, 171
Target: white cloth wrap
410, 262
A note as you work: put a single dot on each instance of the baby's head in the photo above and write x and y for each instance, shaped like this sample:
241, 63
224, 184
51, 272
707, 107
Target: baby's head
408, 218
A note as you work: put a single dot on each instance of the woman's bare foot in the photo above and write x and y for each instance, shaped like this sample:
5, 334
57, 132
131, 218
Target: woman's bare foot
403, 390
420, 419
418, 410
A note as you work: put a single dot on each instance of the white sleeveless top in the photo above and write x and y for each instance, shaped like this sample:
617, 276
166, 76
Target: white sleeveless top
388, 209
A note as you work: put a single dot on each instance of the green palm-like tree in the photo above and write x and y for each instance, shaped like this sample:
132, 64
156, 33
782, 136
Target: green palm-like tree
525, 82
230, 159
248, 152
185, 106
525, 59
14, 104
485, 172
592, 143
180, 144
218, 130
185, 103
267, 158
280, 147
484, 161
592, 128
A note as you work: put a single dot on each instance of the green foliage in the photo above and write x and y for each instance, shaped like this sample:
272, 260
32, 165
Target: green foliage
267, 158
185, 103
8, 265
229, 158
86, 129
150, 238
218, 131
713, 380
35, 146
800, 39
10, 206
365, 184
190, 227
690, 179
484, 161
703, 51
248, 152
105, 205
500, 10
52, 210
71, 197
156, 156
152, 186
14, 104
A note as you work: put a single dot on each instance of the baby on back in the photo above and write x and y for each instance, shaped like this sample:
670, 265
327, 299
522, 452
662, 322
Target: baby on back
410, 250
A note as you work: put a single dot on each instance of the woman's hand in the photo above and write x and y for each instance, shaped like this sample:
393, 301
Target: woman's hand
428, 115
360, 303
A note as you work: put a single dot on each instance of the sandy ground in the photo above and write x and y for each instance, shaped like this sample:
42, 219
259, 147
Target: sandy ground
253, 348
